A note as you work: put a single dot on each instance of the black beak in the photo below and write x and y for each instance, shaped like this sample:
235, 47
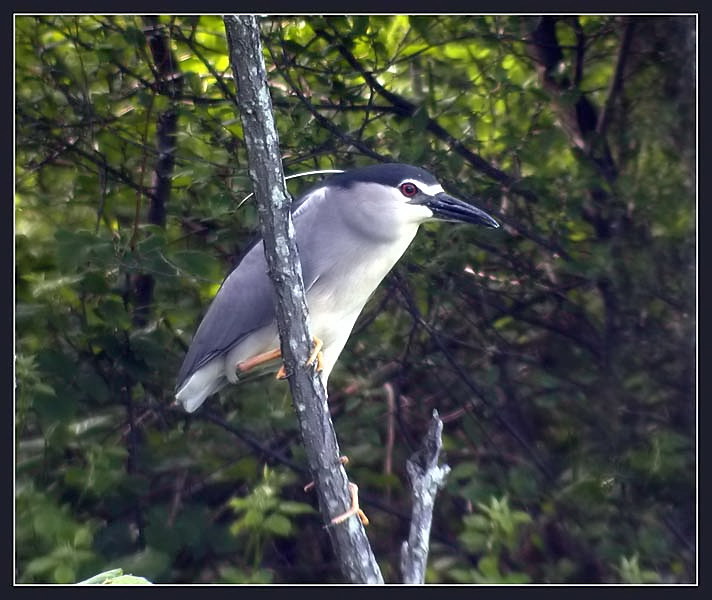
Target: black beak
447, 208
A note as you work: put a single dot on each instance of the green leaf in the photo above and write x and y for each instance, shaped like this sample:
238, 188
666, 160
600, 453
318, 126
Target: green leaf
278, 525
197, 263
420, 119
488, 566
64, 573
127, 580
289, 507
101, 577
150, 562
360, 25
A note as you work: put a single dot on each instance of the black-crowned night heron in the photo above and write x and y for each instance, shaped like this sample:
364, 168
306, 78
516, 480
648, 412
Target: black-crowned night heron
350, 230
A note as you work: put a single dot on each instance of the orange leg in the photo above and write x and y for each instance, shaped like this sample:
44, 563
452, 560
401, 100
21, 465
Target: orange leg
355, 508
255, 361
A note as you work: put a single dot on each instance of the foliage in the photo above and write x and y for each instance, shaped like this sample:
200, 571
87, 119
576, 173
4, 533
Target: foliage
559, 350
492, 534
115, 577
263, 514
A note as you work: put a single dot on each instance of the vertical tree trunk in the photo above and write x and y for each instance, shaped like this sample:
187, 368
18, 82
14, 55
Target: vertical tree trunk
168, 82
348, 539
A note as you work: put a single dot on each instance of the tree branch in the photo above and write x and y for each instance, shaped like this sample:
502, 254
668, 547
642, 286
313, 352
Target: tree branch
617, 80
468, 381
403, 107
348, 539
168, 78
408, 108
426, 478
326, 123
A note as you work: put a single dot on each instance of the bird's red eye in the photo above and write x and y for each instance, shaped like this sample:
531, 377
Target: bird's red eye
408, 189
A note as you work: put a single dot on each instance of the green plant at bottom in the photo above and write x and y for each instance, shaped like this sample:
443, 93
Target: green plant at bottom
263, 514
494, 532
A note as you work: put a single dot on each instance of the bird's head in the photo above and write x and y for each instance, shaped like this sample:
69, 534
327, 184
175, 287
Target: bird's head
409, 193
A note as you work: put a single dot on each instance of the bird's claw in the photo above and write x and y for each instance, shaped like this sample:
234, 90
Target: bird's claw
355, 508
316, 356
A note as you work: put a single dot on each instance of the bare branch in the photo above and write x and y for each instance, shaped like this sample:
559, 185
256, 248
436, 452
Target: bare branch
426, 478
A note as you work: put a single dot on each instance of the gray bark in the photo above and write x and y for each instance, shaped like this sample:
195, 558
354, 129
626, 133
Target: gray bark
349, 540
426, 477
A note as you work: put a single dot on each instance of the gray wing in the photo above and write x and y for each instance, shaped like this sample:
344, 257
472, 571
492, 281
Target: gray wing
244, 303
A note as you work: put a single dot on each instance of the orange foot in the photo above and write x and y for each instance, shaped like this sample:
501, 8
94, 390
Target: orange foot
315, 356
355, 508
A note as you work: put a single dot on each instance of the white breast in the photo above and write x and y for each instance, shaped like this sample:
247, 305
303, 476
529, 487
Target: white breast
337, 298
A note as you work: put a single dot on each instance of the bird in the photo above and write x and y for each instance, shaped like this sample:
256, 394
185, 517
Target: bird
350, 230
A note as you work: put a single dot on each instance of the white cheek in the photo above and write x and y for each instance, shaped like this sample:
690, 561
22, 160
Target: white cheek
418, 213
